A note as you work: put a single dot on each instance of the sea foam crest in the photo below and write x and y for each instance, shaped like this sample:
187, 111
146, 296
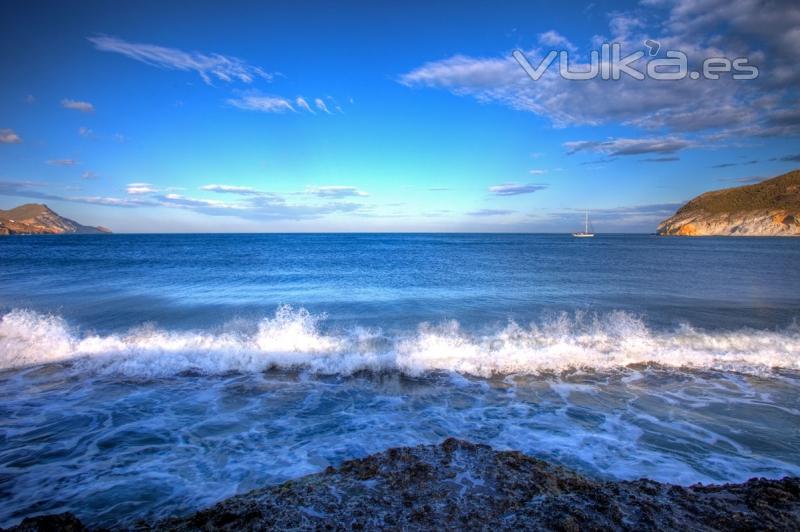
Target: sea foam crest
294, 338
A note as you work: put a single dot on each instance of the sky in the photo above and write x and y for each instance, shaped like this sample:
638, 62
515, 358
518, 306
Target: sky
385, 116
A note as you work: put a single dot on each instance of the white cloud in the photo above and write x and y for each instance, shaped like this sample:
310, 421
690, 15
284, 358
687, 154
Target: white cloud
27, 189
615, 147
556, 40
89, 175
336, 191
255, 101
537, 172
321, 105
83, 107
515, 189
140, 188
268, 207
764, 32
178, 200
62, 162
208, 66
490, 212
85, 132
8, 136
232, 189
303, 104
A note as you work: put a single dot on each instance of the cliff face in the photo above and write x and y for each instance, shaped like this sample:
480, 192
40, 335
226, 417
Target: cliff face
769, 208
38, 219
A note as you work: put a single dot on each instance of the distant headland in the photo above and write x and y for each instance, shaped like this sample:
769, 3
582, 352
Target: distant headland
768, 208
39, 219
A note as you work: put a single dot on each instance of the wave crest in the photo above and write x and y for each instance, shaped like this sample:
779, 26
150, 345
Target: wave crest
293, 338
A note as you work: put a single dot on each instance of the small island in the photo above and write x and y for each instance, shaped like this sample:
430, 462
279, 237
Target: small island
768, 208
39, 219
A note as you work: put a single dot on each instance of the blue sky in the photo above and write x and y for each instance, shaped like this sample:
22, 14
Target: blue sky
371, 116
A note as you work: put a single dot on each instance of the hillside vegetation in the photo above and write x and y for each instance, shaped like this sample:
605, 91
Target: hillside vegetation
782, 192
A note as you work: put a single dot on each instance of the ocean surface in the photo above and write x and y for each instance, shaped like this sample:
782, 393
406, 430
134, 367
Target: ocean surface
143, 376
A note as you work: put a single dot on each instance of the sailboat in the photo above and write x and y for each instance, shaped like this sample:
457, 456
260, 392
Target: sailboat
585, 233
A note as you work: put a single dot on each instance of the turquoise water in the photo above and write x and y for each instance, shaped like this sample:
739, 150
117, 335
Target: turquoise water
149, 375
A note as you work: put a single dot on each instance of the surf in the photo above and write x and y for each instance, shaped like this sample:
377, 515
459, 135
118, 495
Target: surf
294, 338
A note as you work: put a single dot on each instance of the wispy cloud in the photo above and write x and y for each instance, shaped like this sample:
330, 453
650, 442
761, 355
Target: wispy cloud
728, 165
28, 189
515, 189
555, 40
490, 212
667, 159
742, 180
616, 147
321, 105
140, 189
700, 28
303, 104
335, 191
85, 132
208, 66
233, 189
62, 162
537, 172
255, 101
83, 107
791, 158
89, 175
183, 201
8, 136
268, 207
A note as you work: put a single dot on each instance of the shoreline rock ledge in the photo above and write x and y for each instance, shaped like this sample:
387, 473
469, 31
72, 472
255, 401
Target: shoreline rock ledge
460, 485
768, 208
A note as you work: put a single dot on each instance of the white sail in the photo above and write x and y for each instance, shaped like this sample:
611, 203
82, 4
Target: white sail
585, 233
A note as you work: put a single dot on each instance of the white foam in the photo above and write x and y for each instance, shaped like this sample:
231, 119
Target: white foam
293, 338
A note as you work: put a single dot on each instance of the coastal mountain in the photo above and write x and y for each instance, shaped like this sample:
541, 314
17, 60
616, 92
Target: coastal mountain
39, 219
768, 208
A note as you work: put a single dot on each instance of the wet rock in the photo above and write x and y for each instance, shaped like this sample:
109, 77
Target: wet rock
65, 522
460, 485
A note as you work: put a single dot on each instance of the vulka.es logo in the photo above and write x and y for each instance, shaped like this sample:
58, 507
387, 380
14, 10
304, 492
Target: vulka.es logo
609, 63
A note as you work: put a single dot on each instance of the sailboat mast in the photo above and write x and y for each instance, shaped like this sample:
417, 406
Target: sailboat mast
586, 223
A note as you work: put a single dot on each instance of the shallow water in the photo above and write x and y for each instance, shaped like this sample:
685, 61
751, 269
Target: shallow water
144, 376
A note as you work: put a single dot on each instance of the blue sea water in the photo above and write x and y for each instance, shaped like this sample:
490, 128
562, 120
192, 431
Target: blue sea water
149, 375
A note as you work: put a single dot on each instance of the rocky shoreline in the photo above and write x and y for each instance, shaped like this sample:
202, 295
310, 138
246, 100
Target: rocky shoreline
752, 223
457, 484
768, 208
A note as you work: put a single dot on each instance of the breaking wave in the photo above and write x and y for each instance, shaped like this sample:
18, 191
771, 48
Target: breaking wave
293, 338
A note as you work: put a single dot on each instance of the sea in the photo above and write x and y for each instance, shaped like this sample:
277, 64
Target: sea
143, 376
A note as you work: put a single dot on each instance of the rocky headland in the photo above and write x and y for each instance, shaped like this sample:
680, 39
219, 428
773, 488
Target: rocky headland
460, 485
768, 208
39, 219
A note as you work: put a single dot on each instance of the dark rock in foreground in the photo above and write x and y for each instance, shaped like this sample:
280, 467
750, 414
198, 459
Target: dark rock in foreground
462, 485
65, 522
